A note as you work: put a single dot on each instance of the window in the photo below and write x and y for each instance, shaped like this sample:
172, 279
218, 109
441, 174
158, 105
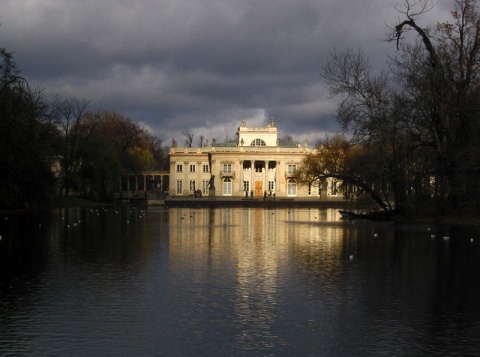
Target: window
227, 168
193, 167
271, 186
179, 187
205, 184
258, 142
271, 166
258, 167
309, 189
205, 168
179, 168
292, 188
292, 168
246, 186
192, 187
227, 187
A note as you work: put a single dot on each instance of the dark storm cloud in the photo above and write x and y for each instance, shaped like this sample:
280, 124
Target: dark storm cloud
201, 65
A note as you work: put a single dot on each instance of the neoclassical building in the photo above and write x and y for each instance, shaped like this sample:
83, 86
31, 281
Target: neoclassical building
257, 164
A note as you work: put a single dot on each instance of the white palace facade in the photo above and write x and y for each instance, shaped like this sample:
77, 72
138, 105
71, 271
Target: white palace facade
256, 165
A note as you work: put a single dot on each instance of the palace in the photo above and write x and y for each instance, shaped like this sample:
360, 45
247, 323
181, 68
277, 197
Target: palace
255, 166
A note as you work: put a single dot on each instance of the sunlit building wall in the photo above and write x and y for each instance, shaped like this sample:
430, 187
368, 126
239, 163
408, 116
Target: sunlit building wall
257, 164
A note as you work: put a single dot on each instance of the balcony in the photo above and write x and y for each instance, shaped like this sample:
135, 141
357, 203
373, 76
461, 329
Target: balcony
290, 173
227, 173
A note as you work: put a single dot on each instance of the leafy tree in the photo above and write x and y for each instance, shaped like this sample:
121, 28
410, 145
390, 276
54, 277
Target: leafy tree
139, 158
118, 146
43, 140
353, 167
26, 137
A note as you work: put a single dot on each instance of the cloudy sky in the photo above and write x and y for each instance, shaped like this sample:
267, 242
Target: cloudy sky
198, 65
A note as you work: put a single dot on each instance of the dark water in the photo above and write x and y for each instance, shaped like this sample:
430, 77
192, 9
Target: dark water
229, 282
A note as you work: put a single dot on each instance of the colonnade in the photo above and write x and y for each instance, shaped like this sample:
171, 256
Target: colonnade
145, 181
253, 178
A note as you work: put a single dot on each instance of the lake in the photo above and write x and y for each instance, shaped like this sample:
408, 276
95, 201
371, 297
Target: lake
126, 281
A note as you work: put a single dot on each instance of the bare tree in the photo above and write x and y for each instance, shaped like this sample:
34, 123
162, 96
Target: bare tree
188, 138
450, 87
287, 139
371, 112
202, 141
160, 153
70, 115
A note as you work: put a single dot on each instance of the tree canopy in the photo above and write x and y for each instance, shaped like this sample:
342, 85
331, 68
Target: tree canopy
413, 130
52, 145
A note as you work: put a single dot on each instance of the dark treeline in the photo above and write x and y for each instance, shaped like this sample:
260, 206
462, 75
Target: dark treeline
412, 132
53, 146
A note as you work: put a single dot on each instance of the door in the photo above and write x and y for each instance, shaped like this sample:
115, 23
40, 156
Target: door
292, 187
227, 187
258, 188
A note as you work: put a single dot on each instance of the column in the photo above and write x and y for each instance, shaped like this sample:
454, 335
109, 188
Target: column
265, 179
277, 177
241, 178
252, 177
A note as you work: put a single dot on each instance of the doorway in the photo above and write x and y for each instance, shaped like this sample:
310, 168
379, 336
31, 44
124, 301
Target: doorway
258, 188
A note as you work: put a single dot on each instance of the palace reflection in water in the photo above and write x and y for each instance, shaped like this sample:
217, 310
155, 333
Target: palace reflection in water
235, 281
253, 240
252, 249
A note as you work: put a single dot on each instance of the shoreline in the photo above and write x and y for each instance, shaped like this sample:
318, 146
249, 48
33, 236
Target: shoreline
464, 218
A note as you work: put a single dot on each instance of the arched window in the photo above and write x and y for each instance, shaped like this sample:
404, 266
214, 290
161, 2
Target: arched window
258, 142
